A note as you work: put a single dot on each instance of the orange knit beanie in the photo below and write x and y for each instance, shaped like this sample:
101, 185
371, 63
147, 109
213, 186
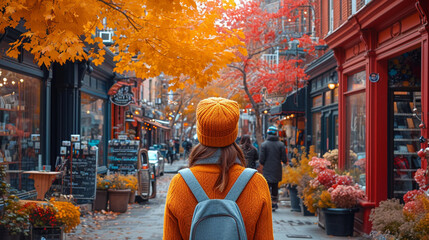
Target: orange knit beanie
217, 121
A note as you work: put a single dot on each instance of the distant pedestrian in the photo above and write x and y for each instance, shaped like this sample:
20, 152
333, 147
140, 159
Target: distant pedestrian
176, 149
273, 153
250, 152
187, 146
216, 162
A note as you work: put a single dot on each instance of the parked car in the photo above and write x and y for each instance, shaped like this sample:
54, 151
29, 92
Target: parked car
156, 159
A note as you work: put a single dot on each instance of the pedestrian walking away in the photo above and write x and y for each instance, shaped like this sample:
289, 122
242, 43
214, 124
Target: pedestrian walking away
216, 171
271, 157
250, 152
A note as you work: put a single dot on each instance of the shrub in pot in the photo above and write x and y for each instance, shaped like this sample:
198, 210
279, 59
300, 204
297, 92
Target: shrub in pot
119, 194
101, 195
131, 183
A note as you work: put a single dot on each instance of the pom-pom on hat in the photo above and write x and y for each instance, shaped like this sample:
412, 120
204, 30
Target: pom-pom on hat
217, 121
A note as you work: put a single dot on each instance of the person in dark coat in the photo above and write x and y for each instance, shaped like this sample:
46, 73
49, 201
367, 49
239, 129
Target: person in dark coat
250, 152
273, 153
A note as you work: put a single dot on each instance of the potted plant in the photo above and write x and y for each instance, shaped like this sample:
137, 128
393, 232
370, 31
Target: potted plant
294, 172
131, 183
14, 221
393, 220
119, 194
101, 195
51, 219
335, 195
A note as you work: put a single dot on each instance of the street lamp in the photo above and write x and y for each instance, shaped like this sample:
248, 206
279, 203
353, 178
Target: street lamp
332, 81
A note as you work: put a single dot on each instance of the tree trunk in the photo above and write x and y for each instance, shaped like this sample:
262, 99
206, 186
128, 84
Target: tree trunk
258, 128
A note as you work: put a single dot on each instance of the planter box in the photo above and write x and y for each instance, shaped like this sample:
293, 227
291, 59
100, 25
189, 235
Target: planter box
294, 199
132, 199
339, 221
47, 233
304, 209
118, 200
320, 218
100, 202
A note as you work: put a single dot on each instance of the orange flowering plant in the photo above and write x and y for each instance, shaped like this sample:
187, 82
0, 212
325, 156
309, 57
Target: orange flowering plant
131, 182
103, 183
67, 214
298, 168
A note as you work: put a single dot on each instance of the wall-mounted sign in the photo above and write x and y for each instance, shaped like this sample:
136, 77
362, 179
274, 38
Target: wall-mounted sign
123, 96
374, 77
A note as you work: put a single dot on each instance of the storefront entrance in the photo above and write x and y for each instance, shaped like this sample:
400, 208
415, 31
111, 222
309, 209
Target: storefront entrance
404, 132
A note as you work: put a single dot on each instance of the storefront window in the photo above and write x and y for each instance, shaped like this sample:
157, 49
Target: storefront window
328, 97
92, 123
335, 95
356, 81
355, 136
317, 131
19, 128
317, 101
404, 70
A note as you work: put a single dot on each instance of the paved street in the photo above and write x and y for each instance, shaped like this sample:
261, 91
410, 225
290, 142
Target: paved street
146, 221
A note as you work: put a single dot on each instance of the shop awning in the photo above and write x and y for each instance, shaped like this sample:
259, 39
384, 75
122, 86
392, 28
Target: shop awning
294, 103
157, 124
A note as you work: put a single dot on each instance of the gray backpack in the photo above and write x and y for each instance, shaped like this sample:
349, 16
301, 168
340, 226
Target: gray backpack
217, 219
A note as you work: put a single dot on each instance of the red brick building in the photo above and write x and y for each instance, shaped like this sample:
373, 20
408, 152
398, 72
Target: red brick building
381, 50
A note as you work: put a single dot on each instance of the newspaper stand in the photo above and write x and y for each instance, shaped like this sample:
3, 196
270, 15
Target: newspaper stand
146, 177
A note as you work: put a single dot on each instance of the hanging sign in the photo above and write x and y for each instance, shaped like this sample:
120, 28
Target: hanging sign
374, 77
123, 96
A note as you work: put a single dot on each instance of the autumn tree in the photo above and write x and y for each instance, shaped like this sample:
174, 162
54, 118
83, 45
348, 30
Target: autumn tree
176, 37
268, 34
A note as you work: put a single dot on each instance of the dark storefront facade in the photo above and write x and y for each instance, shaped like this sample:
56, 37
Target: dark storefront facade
322, 110
40, 108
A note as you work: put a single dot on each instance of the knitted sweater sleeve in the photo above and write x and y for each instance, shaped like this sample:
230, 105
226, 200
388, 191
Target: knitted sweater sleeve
264, 226
171, 225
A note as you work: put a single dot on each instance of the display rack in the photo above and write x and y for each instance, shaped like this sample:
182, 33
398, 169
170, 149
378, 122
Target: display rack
406, 133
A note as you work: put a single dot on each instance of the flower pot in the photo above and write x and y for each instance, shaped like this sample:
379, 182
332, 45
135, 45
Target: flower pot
6, 235
47, 233
294, 199
304, 209
339, 221
320, 218
132, 197
100, 202
118, 200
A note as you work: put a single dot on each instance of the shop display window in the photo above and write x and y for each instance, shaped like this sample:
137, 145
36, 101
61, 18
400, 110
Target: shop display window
317, 101
19, 128
335, 95
328, 97
317, 131
93, 123
355, 137
405, 70
356, 81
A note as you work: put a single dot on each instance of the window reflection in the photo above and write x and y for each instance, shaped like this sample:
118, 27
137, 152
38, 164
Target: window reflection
92, 123
19, 121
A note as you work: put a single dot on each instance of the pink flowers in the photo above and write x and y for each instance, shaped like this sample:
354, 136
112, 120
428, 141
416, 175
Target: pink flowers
411, 195
327, 177
319, 164
422, 179
346, 196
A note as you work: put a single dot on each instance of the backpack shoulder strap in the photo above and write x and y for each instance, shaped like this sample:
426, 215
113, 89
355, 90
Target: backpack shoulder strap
240, 184
193, 184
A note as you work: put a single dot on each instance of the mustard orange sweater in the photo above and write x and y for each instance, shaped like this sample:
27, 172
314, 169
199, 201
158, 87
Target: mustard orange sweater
254, 203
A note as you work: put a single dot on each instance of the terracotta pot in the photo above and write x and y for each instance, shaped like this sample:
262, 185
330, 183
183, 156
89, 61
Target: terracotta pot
118, 200
100, 202
132, 197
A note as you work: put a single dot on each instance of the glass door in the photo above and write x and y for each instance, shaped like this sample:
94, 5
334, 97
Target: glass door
406, 133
